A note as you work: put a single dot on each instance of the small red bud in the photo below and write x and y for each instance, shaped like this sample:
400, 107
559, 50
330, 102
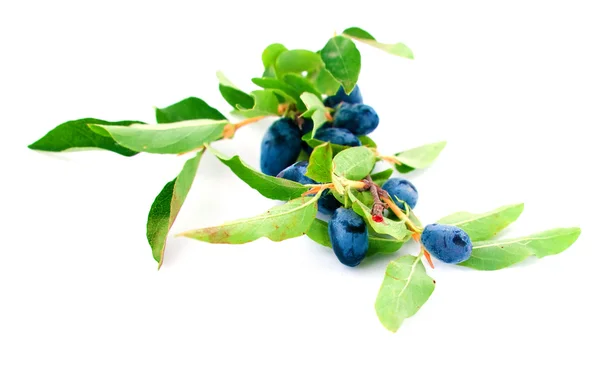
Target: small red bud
377, 218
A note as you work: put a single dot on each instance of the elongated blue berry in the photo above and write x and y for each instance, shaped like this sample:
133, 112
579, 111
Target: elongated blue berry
448, 243
360, 119
338, 136
401, 190
280, 146
349, 236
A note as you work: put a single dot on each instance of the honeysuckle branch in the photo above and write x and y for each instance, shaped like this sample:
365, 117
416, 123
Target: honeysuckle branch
315, 188
378, 205
230, 129
390, 159
396, 210
417, 238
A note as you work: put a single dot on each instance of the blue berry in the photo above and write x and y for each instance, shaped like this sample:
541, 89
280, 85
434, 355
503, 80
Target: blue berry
296, 172
328, 203
280, 146
349, 236
338, 136
448, 243
340, 96
400, 191
360, 119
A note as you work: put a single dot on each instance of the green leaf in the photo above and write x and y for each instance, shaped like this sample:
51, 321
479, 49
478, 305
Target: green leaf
270, 54
187, 109
497, 254
360, 35
405, 288
380, 177
268, 186
484, 226
173, 138
421, 157
396, 229
318, 232
301, 84
342, 60
297, 61
315, 110
166, 206
281, 88
354, 163
292, 219
314, 143
382, 244
265, 104
77, 134
325, 82
402, 168
319, 166
366, 141
234, 96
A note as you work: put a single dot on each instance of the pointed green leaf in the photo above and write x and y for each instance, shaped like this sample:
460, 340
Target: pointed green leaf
421, 157
301, 84
314, 143
318, 232
173, 138
319, 166
367, 141
484, 226
396, 229
281, 88
325, 82
166, 206
188, 109
315, 110
234, 96
354, 163
360, 35
383, 245
403, 168
76, 134
497, 254
268, 186
342, 60
405, 288
380, 177
265, 104
292, 219
297, 61
270, 54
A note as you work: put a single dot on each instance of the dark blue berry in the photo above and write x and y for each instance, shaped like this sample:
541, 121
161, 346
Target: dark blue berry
328, 203
280, 146
448, 243
338, 136
360, 119
400, 191
296, 172
349, 236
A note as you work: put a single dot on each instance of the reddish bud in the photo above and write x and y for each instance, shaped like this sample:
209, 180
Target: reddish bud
377, 218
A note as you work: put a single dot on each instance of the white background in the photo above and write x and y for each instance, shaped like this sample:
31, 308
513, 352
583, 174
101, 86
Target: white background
513, 86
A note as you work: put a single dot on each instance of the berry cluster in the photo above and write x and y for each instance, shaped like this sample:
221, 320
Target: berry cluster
348, 231
322, 119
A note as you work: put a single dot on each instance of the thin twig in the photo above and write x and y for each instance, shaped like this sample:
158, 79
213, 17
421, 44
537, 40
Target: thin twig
378, 205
